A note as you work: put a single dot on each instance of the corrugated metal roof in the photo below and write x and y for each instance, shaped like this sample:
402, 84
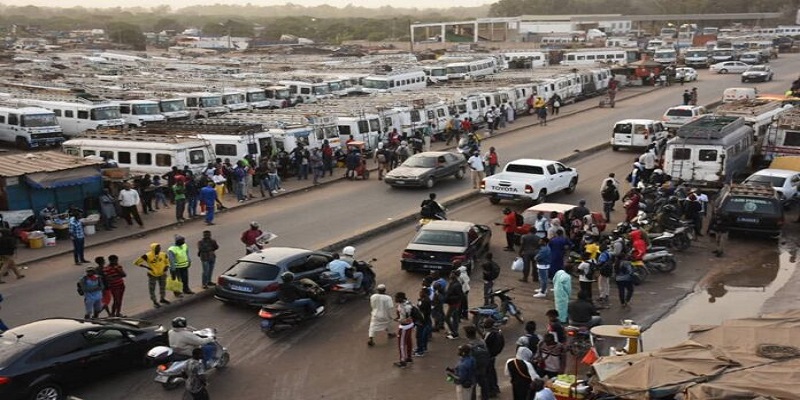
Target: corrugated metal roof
45, 161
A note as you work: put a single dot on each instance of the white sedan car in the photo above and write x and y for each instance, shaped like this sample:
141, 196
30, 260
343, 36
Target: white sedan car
725, 67
688, 74
784, 182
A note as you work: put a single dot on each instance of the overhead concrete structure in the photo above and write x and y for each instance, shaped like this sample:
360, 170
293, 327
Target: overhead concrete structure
513, 27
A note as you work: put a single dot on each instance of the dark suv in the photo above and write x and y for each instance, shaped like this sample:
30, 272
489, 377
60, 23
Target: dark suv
750, 208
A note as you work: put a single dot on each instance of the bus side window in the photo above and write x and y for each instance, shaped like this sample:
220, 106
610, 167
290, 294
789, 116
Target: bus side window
69, 114
124, 157
13, 119
144, 159
163, 160
2, 119
87, 153
57, 112
83, 114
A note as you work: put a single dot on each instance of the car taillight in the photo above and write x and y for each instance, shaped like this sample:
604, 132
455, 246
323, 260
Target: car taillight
407, 254
336, 288
162, 367
4, 380
220, 280
272, 287
571, 332
528, 189
483, 184
458, 258
264, 314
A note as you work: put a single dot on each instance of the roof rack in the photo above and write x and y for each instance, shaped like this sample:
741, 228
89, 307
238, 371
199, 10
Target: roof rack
138, 136
790, 119
747, 107
749, 189
710, 127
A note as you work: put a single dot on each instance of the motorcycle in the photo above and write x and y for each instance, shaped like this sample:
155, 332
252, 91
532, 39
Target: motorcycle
660, 259
498, 315
171, 369
578, 339
278, 317
332, 282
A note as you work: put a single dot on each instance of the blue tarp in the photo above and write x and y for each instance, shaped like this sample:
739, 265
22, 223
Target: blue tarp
69, 177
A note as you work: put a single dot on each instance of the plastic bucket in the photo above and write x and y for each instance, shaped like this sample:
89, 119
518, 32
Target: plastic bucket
89, 230
49, 241
35, 243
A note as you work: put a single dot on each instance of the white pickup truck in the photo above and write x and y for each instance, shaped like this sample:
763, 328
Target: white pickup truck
529, 179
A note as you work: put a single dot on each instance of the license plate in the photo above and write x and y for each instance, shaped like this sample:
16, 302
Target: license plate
240, 288
748, 220
161, 378
505, 196
431, 266
399, 182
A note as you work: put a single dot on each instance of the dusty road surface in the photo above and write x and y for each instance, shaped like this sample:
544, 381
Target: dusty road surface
328, 358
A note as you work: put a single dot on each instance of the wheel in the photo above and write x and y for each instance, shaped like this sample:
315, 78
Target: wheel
744, 80
572, 185
667, 265
615, 148
47, 391
494, 200
542, 197
429, 182
460, 173
172, 383
723, 71
683, 243
271, 333
22, 144
224, 359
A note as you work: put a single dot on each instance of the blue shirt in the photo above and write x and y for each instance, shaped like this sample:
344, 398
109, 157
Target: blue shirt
208, 195
76, 228
465, 370
339, 267
544, 256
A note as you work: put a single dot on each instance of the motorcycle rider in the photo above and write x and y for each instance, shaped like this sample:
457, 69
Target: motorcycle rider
431, 209
296, 295
341, 267
249, 238
348, 257
183, 341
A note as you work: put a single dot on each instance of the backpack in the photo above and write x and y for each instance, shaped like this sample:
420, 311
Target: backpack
533, 342
482, 357
416, 315
606, 267
498, 342
492, 270
520, 220
589, 274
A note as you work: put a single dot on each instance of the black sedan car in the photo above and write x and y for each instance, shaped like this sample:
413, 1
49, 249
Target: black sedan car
254, 279
439, 243
40, 359
425, 169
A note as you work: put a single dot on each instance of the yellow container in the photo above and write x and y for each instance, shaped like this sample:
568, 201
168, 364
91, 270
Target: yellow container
36, 243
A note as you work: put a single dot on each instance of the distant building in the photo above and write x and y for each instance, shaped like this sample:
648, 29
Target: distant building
214, 42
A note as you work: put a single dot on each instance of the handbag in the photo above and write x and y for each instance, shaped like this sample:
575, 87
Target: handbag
174, 284
517, 265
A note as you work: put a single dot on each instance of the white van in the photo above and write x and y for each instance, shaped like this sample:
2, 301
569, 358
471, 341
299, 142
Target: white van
29, 127
637, 133
152, 154
205, 104
738, 93
235, 101
138, 113
174, 109
76, 117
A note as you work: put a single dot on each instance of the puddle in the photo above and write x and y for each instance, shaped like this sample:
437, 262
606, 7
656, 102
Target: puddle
736, 290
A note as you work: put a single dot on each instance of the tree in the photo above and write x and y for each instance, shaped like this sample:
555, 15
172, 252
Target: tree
165, 24
125, 33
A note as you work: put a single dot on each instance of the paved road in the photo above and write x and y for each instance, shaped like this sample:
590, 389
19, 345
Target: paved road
318, 217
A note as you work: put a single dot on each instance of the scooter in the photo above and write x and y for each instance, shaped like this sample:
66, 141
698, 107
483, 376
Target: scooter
278, 317
498, 315
660, 259
332, 282
171, 369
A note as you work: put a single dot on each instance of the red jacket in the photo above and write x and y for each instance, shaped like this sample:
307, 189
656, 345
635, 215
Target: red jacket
249, 236
510, 223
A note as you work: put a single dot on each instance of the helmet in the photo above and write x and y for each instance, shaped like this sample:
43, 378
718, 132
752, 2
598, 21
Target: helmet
673, 200
287, 277
254, 224
179, 322
349, 251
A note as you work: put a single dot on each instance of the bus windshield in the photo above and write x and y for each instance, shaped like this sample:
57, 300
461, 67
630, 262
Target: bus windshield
39, 120
146, 109
172, 105
321, 90
102, 113
235, 98
214, 101
376, 84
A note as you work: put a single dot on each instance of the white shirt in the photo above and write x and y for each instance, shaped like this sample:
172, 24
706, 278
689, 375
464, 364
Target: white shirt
476, 162
128, 198
648, 160
615, 183
382, 306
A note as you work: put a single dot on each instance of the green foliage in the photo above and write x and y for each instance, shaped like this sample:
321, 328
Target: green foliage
125, 33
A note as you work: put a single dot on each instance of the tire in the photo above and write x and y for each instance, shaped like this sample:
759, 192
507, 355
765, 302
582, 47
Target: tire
666, 266
542, 197
171, 383
683, 243
615, 148
22, 144
572, 185
47, 391
223, 360
429, 182
723, 71
460, 173
494, 200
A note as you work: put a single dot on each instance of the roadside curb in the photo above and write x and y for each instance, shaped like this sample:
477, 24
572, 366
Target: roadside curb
509, 129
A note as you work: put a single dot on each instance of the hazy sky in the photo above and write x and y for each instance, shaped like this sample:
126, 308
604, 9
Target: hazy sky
183, 3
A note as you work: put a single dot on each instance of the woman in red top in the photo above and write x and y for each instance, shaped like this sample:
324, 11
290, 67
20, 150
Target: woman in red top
115, 282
